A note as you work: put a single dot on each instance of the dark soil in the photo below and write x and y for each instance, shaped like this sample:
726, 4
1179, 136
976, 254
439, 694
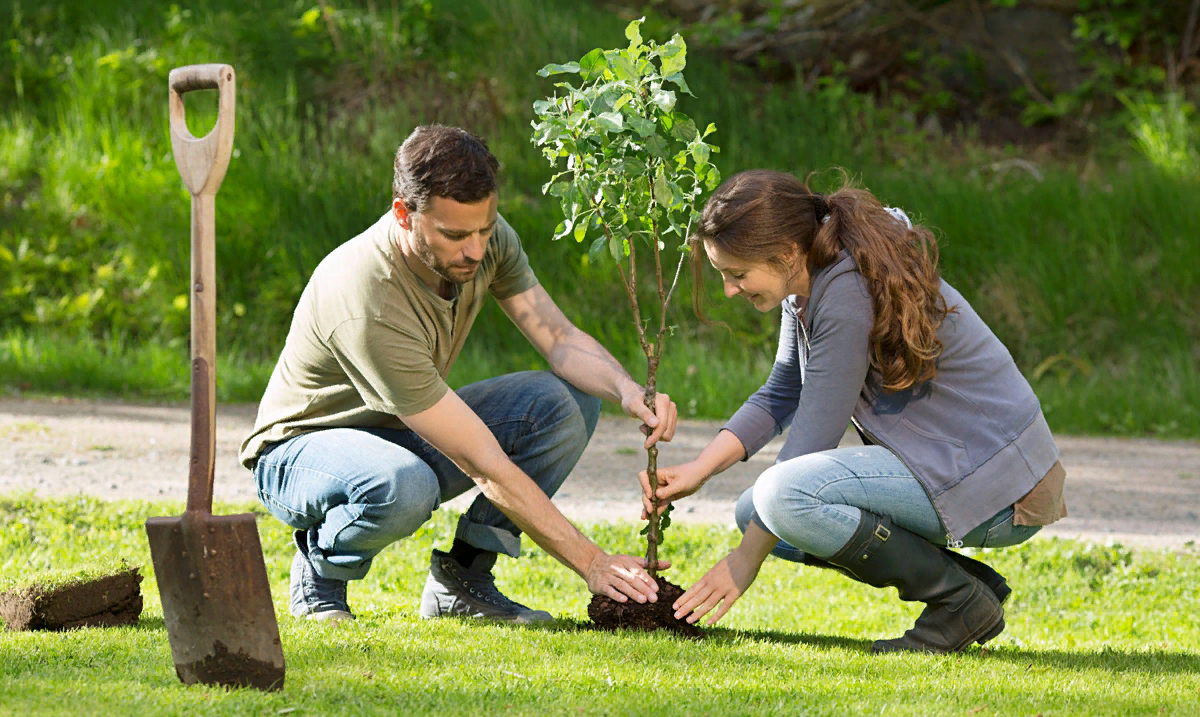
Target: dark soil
232, 670
111, 600
608, 614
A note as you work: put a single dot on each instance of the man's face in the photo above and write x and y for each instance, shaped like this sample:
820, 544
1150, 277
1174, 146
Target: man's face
450, 237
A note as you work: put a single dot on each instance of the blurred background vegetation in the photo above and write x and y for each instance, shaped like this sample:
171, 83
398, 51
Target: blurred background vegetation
1051, 144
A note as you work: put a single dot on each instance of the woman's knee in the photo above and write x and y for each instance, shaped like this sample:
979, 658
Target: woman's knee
790, 489
743, 513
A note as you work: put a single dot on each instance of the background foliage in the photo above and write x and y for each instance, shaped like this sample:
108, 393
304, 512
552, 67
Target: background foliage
1082, 261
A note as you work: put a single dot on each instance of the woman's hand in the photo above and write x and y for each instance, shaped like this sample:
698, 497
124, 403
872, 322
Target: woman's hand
673, 482
727, 581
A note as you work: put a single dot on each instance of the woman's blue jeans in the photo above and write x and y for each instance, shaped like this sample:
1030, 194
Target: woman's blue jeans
814, 503
354, 491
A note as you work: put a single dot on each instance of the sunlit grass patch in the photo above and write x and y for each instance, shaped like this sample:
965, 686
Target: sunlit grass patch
1092, 630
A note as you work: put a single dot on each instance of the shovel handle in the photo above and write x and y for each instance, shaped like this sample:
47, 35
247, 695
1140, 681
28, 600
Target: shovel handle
202, 164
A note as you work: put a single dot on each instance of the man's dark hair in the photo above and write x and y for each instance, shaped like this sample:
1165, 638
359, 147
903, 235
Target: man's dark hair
440, 161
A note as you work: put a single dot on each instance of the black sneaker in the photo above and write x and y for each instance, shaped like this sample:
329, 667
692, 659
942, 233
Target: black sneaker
313, 596
454, 591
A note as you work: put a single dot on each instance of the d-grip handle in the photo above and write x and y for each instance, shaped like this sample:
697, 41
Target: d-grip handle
202, 162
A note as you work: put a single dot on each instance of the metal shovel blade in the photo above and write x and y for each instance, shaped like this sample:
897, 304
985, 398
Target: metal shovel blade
216, 600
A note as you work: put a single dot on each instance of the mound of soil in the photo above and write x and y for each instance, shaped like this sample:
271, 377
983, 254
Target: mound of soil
608, 614
111, 600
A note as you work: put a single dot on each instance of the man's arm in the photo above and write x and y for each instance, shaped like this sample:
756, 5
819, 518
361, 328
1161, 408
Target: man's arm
453, 428
581, 360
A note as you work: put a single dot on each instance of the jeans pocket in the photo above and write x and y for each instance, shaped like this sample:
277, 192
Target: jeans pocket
1006, 533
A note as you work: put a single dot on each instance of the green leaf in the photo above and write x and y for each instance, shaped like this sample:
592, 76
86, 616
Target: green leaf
709, 130
673, 56
552, 69
632, 33
657, 146
543, 106
684, 128
662, 191
616, 248
592, 65
563, 228
596, 252
641, 125
581, 228
700, 153
557, 189
665, 99
622, 101
624, 69
713, 178
677, 78
633, 167
610, 121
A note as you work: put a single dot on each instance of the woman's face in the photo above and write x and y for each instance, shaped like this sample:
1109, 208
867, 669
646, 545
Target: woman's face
760, 283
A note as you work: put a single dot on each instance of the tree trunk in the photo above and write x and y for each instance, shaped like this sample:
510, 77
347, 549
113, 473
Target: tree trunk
654, 535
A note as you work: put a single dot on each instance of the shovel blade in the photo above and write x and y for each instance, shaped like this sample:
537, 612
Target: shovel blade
216, 600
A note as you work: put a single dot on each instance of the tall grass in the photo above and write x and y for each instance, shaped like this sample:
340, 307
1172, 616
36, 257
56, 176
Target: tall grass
1091, 284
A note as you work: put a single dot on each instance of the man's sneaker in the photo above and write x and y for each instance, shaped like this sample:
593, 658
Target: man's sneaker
313, 596
452, 590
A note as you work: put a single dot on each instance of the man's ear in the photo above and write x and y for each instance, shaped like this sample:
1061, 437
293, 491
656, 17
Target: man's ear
400, 211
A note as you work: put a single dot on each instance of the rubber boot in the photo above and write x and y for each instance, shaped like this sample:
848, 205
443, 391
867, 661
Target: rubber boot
992, 579
960, 609
982, 572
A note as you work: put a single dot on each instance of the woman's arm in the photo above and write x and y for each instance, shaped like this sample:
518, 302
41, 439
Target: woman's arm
768, 410
838, 361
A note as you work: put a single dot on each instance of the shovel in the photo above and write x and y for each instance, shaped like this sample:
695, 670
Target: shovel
211, 576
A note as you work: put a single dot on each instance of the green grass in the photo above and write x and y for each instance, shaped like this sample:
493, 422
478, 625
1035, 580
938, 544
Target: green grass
1092, 630
1092, 263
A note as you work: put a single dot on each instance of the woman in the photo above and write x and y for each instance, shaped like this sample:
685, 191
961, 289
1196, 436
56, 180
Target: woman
956, 448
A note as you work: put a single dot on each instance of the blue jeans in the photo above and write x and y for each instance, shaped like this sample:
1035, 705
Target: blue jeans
354, 491
814, 503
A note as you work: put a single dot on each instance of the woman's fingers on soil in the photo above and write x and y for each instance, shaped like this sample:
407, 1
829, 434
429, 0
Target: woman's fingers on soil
720, 613
690, 599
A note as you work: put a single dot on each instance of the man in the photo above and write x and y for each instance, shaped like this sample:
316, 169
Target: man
358, 438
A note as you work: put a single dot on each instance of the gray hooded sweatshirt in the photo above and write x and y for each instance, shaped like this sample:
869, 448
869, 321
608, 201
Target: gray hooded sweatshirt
974, 436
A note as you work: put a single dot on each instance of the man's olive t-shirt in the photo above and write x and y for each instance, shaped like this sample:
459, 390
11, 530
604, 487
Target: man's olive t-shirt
370, 342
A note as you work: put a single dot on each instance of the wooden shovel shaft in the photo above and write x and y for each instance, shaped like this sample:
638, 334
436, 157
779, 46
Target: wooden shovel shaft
204, 352
202, 163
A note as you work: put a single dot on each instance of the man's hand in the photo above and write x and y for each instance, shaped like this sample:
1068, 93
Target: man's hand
658, 424
673, 482
621, 577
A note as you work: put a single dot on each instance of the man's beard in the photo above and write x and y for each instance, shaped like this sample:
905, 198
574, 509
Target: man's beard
425, 254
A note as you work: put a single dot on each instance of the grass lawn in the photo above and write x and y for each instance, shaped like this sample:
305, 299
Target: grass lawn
1092, 630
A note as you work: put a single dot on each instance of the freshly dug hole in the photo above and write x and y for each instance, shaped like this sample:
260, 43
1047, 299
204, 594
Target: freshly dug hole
608, 614
110, 600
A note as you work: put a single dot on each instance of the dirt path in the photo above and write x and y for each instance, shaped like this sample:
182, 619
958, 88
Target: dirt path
1136, 491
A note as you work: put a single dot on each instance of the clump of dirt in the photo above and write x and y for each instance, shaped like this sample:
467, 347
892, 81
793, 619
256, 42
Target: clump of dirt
104, 602
608, 614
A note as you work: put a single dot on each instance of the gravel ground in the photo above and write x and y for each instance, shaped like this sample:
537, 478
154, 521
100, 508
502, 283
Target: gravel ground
1134, 491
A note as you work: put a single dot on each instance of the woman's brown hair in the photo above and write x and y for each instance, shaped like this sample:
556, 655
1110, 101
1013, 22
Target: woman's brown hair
763, 216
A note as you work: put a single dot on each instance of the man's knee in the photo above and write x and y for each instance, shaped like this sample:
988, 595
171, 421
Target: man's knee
589, 409
398, 503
